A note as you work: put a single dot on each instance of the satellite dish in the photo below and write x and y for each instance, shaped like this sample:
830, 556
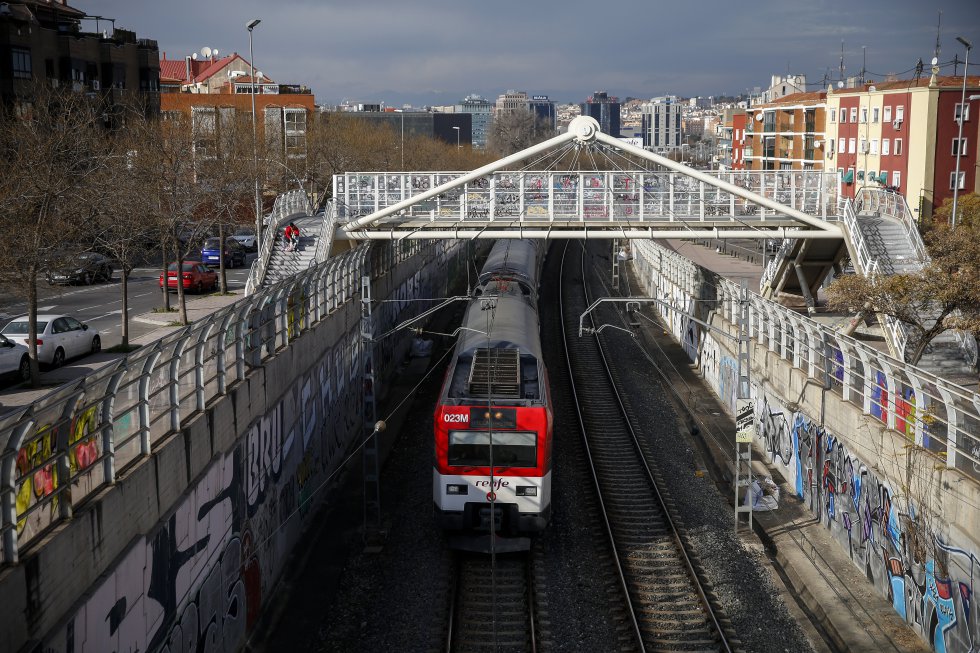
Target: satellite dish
205, 52
872, 89
258, 74
840, 84
215, 52
194, 56
935, 60
758, 117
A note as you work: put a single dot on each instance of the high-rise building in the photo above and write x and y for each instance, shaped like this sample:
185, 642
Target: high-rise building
544, 109
605, 109
481, 111
661, 124
511, 100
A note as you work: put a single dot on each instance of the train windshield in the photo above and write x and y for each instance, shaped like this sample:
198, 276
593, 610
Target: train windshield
510, 449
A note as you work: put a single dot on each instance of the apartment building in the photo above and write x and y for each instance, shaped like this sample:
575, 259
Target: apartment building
786, 134
660, 124
50, 40
904, 135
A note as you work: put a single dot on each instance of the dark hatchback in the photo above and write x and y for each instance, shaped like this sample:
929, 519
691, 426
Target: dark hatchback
234, 253
86, 268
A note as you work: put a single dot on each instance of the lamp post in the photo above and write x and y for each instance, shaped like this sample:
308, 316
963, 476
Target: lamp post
250, 25
959, 138
457, 137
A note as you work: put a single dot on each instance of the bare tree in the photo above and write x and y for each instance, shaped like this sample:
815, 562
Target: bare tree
516, 130
52, 150
944, 295
175, 202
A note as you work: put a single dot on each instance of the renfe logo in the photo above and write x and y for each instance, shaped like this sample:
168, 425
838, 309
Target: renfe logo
456, 418
497, 483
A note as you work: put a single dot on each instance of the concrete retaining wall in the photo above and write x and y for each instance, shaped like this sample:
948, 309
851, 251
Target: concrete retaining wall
182, 551
906, 520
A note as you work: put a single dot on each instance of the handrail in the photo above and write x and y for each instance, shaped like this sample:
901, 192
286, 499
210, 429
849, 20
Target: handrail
325, 240
287, 205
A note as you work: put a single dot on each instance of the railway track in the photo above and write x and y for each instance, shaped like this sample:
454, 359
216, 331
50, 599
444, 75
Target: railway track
667, 600
493, 604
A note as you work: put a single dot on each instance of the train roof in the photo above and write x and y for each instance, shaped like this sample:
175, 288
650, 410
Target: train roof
514, 258
505, 365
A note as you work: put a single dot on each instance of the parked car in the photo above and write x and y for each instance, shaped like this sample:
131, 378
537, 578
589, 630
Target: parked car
234, 253
246, 237
15, 359
59, 337
87, 268
194, 276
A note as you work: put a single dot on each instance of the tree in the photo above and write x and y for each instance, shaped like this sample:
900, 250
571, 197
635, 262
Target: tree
944, 295
175, 202
967, 209
52, 148
513, 131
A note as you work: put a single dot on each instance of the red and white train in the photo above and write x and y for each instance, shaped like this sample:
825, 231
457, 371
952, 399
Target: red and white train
494, 420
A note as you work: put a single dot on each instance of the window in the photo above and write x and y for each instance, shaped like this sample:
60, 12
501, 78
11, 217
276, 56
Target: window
900, 112
952, 179
898, 146
833, 115
888, 114
874, 145
872, 176
850, 145
863, 146
21, 63
959, 147
205, 130
885, 147
965, 108
510, 448
854, 114
860, 175
875, 113
295, 132
864, 114
841, 145
897, 178
830, 146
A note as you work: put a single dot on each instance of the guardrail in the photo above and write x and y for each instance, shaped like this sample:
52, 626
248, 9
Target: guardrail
641, 195
287, 205
936, 414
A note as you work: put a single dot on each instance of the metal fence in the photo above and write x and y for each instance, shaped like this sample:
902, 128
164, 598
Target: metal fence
66, 446
938, 415
639, 195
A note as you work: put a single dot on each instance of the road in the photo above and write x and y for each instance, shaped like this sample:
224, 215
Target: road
100, 305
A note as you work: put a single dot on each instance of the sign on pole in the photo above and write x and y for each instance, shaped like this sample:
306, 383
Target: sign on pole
744, 420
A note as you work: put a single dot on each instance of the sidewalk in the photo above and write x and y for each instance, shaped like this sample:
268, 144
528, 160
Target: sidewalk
20, 396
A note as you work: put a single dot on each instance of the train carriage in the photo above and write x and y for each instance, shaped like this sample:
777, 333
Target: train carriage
494, 420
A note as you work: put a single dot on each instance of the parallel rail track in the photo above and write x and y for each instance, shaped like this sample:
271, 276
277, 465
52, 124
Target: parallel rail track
492, 604
669, 604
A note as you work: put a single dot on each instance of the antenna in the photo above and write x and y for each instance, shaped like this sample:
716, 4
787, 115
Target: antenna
864, 61
842, 59
939, 25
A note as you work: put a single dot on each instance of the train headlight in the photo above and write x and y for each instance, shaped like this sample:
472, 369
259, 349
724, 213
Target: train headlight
527, 491
456, 489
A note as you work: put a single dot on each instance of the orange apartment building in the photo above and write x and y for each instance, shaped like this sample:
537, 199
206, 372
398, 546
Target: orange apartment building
786, 134
208, 89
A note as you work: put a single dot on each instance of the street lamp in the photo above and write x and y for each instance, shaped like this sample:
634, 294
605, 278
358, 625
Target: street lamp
250, 25
959, 138
457, 137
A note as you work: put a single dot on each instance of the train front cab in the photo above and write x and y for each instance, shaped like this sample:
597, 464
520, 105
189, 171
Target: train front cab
516, 500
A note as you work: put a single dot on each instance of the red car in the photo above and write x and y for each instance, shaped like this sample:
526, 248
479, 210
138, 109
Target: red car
196, 277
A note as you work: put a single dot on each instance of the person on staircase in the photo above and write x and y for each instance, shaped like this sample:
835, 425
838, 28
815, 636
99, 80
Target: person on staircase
291, 237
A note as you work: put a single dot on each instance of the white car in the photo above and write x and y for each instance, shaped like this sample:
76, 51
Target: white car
246, 237
15, 360
59, 337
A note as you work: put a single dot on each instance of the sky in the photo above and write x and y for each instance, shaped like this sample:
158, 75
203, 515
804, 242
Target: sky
431, 52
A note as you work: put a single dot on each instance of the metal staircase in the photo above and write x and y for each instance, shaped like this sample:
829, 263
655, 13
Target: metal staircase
282, 264
886, 241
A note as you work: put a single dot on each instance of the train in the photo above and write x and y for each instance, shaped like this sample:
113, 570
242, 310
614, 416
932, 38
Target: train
494, 419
